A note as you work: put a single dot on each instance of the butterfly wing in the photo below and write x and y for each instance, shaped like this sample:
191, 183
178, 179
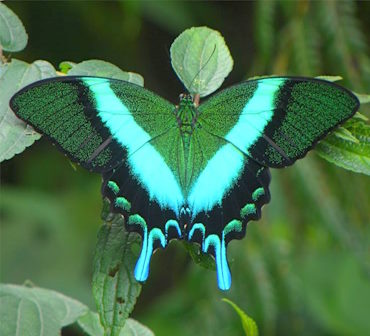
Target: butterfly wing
268, 122
277, 120
95, 121
228, 192
108, 126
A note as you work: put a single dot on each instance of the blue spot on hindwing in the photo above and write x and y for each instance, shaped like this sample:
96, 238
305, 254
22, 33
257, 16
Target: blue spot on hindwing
219, 246
172, 223
149, 237
222, 267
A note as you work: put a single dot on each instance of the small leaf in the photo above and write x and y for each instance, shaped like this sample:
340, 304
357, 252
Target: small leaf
348, 154
345, 134
260, 76
36, 311
102, 69
203, 259
360, 116
66, 66
249, 326
201, 60
13, 36
114, 286
363, 98
16, 135
330, 78
91, 325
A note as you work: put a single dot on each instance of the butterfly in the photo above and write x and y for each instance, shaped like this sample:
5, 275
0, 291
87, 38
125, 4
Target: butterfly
192, 172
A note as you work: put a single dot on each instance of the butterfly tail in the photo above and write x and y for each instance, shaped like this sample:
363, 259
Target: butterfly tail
129, 198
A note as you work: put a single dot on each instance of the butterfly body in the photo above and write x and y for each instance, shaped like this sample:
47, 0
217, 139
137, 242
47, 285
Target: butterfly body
186, 115
197, 173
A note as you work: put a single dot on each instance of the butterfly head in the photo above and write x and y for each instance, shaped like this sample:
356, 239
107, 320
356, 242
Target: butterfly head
185, 98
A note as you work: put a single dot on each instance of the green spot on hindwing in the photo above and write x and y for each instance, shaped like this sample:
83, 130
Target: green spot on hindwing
258, 193
123, 203
248, 209
137, 220
113, 186
233, 226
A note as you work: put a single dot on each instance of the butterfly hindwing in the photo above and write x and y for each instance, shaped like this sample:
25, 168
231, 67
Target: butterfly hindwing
229, 192
277, 120
143, 213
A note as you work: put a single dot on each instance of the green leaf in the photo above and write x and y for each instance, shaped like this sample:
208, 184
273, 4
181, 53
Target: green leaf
249, 326
349, 145
345, 134
201, 60
36, 311
103, 69
13, 36
363, 98
66, 66
330, 78
91, 325
262, 76
16, 135
360, 116
114, 286
203, 259
347, 153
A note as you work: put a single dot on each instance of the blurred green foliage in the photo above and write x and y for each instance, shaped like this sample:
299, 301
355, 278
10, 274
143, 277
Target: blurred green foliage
302, 270
249, 326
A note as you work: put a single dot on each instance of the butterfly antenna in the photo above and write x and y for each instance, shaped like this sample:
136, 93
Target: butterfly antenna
202, 68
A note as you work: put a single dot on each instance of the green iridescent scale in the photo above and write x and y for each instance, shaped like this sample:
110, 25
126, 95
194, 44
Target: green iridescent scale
190, 172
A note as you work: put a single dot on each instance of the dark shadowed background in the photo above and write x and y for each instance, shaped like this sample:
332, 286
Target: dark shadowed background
303, 269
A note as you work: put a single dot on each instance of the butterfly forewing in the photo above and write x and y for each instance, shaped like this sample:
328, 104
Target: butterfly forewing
277, 120
94, 120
